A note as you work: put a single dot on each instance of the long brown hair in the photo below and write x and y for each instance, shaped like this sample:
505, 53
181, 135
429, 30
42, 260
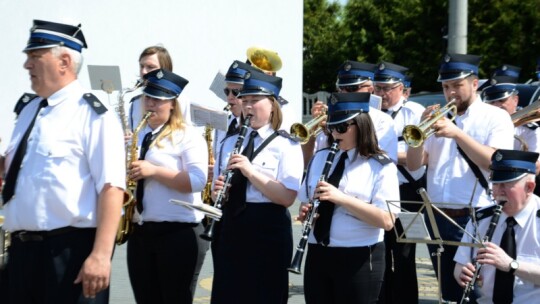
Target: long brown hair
164, 58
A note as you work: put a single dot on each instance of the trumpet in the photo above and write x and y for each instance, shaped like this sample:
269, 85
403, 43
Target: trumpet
527, 115
414, 135
302, 132
310, 217
208, 233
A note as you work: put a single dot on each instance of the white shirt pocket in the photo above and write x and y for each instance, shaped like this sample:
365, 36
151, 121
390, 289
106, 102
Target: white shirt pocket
267, 165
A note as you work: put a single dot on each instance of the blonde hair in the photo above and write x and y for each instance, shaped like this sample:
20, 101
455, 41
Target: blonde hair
175, 123
276, 119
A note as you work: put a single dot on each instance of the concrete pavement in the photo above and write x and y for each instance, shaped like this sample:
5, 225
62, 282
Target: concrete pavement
121, 292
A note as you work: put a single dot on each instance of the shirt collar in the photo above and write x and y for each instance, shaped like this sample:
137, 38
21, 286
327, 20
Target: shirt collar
263, 131
72, 89
397, 106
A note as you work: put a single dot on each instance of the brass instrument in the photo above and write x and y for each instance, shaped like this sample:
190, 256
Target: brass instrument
207, 192
310, 216
266, 60
120, 106
208, 233
414, 135
126, 222
527, 115
5, 241
302, 132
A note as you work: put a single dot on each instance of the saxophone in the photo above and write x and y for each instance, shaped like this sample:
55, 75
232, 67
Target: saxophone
126, 222
207, 192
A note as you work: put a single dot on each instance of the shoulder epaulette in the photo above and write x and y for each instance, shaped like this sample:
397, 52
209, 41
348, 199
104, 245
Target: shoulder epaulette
485, 212
94, 103
383, 159
287, 135
532, 125
135, 98
23, 101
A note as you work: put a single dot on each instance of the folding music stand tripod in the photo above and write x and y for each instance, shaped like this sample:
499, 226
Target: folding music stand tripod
415, 230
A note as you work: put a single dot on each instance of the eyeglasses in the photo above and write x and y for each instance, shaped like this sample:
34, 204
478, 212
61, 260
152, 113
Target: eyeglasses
341, 128
353, 88
385, 89
235, 92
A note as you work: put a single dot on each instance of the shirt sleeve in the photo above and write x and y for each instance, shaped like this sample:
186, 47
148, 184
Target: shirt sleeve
195, 159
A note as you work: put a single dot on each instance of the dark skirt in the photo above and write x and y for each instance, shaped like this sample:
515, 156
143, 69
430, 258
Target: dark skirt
254, 250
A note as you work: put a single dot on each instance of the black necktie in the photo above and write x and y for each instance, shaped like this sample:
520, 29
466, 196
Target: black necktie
13, 172
503, 290
140, 183
326, 208
232, 127
237, 193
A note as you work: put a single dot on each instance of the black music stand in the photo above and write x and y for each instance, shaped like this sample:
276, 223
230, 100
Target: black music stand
415, 230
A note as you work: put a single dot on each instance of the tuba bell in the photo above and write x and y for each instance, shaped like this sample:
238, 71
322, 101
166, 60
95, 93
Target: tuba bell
414, 135
266, 60
530, 113
302, 132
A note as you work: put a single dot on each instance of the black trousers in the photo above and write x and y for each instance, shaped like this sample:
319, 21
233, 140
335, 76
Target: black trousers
400, 279
43, 271
164, 260
343, 274
254, 249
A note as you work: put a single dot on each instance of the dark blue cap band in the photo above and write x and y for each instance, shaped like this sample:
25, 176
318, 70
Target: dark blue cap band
258, 87
514, 165
41, 38
450, 67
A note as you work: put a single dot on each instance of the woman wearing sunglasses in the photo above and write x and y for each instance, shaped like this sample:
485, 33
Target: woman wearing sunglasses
255, 246
345, 260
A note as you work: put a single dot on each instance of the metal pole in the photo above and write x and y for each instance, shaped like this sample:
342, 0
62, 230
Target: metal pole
457, 26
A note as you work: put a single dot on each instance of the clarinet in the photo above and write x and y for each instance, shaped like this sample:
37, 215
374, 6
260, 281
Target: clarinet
477, 266
310, 216
208, 233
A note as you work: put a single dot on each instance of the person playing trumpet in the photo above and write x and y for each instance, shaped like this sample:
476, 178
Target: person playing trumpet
345, 260
458, 155
503, 93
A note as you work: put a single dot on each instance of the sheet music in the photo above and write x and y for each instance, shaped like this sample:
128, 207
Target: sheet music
203, 116
208, 210
218, 84
414, 225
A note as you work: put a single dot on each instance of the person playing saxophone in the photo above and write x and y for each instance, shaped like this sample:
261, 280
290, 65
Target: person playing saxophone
165, 249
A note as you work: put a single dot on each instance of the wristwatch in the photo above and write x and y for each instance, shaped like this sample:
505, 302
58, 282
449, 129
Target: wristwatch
514, 265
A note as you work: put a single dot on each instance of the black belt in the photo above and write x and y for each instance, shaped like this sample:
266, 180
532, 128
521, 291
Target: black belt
457, 212
38, 236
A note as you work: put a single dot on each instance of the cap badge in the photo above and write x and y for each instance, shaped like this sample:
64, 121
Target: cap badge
498, 156
247, 76
333, 100
504, 68
159, 75
235, 65
347, 67
447, 58
382, 66
493, 81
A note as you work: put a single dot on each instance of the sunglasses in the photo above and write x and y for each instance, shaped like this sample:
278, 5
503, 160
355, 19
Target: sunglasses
353, 88
341, 128
235, 92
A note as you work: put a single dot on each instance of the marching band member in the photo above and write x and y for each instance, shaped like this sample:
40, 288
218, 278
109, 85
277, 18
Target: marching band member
400, 281
65, 179
255, 243
356, 77
152, 58
165, 250
511, 265
458, 156
346, 257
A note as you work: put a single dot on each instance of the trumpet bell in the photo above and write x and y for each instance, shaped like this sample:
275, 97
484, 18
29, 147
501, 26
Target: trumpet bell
414, 135
302, 132
266, 60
